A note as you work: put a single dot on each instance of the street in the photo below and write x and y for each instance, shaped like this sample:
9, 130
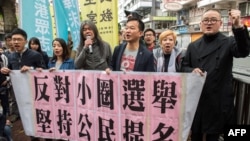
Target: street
18, 132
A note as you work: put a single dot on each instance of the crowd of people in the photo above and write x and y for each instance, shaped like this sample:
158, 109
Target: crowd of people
138, 51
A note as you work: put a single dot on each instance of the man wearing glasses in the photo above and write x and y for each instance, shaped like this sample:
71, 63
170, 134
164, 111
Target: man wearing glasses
213, 53
150, 39
22, 59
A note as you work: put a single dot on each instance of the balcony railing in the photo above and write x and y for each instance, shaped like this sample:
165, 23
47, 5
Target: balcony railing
241, 87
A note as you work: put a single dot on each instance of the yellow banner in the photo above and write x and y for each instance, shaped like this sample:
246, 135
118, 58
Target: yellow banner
104, 14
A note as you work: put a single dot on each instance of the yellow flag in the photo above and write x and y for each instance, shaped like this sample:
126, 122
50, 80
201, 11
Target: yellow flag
104, 14
51, 10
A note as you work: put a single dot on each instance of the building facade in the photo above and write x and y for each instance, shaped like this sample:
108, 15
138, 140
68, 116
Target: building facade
188, 18
154, 15
182, 16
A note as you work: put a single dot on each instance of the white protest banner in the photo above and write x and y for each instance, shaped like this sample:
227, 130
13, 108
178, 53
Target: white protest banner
91, 105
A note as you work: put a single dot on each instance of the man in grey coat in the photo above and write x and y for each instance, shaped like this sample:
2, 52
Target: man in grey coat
214, 53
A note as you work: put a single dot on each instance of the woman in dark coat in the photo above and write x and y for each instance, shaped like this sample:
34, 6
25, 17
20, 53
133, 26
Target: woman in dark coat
214, 53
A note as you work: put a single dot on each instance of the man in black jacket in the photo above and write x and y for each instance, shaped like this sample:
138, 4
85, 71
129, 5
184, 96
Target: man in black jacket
132, 55
214, 53
23, 59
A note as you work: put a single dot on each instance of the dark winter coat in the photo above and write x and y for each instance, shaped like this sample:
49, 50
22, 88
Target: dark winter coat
215, 55
29, 58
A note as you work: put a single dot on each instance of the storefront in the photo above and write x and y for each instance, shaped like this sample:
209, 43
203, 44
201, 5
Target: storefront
246, 21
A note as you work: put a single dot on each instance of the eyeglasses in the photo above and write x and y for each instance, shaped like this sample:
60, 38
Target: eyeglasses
149, 35
212, 21
17, 40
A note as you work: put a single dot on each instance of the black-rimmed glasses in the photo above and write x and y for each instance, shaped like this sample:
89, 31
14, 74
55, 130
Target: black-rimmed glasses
212, 21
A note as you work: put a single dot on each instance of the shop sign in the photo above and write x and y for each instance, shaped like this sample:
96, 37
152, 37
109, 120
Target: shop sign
183, 29
173, 6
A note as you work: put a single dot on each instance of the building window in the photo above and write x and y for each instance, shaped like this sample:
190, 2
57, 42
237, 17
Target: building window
244, 8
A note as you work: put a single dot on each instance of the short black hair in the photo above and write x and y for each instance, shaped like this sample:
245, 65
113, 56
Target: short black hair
141, 24
149, 29
19, 31
7, 36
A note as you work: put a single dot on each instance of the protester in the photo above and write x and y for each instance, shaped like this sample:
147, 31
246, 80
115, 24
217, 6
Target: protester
150, 39
2, 126
23, 59
1, 50
13, 109
213, 53
70, 45
35, 44
122, 36
167, 57
7, 131
8, 43
132, 55
60, 61
4, 96
61, 58
92, 53
134, 14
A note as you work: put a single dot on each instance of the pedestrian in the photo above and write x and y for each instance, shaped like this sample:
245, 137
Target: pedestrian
24, 59
213, 53
34, 43
92, 53
168, 57
132, 55
61, 57
150, 39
